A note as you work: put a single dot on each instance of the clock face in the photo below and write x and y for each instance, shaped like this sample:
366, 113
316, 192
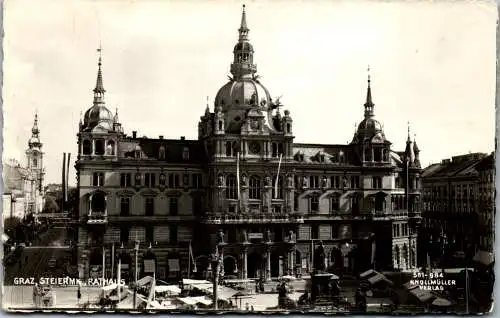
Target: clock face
255, 124
254, 148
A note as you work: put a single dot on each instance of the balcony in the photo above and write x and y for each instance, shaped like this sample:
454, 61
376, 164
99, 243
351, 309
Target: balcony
97, 218
253, 219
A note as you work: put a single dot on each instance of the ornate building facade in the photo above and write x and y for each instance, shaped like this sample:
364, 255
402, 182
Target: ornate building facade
23, 186
270, 206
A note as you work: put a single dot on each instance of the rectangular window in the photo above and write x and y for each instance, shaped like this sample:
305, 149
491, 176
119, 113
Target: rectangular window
277, 209
150, 206
98, 179
314, 180
314, 232
296, 201
394, 230
176, 181
173, 234
149, 234
128, 179
377, 182
197, 181
173, 206
124, 234
150, 180
314, 203
354, 182
170, 180
185, 180
124, 206
398, 229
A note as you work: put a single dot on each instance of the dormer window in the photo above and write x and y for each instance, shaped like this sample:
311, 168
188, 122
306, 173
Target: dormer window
161, 153
110, 148
137, 152
87, 147
185, 153
321, 158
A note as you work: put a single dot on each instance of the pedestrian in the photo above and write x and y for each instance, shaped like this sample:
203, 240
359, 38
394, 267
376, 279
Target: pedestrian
247, 306
252, 308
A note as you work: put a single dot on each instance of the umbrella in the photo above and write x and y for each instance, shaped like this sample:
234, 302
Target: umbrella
441, 302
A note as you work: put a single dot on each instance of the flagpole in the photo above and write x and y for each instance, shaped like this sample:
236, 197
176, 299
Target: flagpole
189, 263
277, 179
238, 178
103, 264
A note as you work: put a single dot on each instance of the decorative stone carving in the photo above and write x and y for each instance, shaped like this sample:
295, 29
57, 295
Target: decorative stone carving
345, 182
220, 180
292, 236
220, 237
289, 181
244, 236
305, 182
267, 181
244, 180
324, 182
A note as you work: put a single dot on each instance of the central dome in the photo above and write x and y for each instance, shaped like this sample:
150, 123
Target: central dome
242, 92
98, 115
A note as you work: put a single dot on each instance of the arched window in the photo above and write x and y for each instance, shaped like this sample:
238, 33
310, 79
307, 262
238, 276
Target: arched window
228, 149
98, 202
161, 153
314, 203
220, 125
368, 154
279, 194
378, 155
87, 147
231, 187
254, 187
335, 203
288, 127
110, 148
99, 147
35, 162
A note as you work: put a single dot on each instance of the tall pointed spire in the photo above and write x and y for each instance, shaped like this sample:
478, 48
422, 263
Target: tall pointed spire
99, 87
34, 141
409, 139
369, 103
243, 65
243, 30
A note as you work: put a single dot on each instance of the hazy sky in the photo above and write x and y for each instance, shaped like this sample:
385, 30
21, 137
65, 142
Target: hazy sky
432, 64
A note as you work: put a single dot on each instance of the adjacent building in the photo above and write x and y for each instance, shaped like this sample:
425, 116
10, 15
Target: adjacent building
23, 190
244, 189
458, 198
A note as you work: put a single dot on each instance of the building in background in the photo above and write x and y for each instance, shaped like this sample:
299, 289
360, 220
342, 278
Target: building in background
23, 186
458, 199
277, 206
486, 204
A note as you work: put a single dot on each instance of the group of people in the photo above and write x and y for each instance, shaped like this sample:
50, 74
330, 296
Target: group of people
43, 296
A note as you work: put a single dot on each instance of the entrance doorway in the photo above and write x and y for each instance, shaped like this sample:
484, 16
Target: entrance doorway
254, 266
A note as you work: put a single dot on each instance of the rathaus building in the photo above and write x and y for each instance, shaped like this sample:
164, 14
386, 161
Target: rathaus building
269, 206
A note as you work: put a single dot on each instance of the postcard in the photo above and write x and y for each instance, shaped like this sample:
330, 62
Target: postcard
267, 156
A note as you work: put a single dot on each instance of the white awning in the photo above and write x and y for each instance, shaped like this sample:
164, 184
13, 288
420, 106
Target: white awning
195, 300
168, 288
186, 281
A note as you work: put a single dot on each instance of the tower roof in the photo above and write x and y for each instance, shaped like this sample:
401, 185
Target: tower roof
99, 87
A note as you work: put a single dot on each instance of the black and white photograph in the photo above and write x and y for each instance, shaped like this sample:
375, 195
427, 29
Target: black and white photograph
249, 156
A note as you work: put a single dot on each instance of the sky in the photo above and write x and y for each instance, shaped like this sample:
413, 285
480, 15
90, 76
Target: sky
431, 63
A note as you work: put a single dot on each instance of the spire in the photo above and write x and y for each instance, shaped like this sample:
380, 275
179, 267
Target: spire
207, 109
116, 115
99, 87
243, 65
243, 30
35, 131
408, 140
416, 150
369, 103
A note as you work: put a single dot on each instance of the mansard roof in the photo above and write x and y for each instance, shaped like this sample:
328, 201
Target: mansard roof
174, 150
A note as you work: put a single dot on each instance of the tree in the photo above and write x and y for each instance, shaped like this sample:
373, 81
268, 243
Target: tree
11, 226
51, 205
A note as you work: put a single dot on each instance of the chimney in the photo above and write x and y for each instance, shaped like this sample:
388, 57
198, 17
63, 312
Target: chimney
183, 138
134, 134
161, 136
